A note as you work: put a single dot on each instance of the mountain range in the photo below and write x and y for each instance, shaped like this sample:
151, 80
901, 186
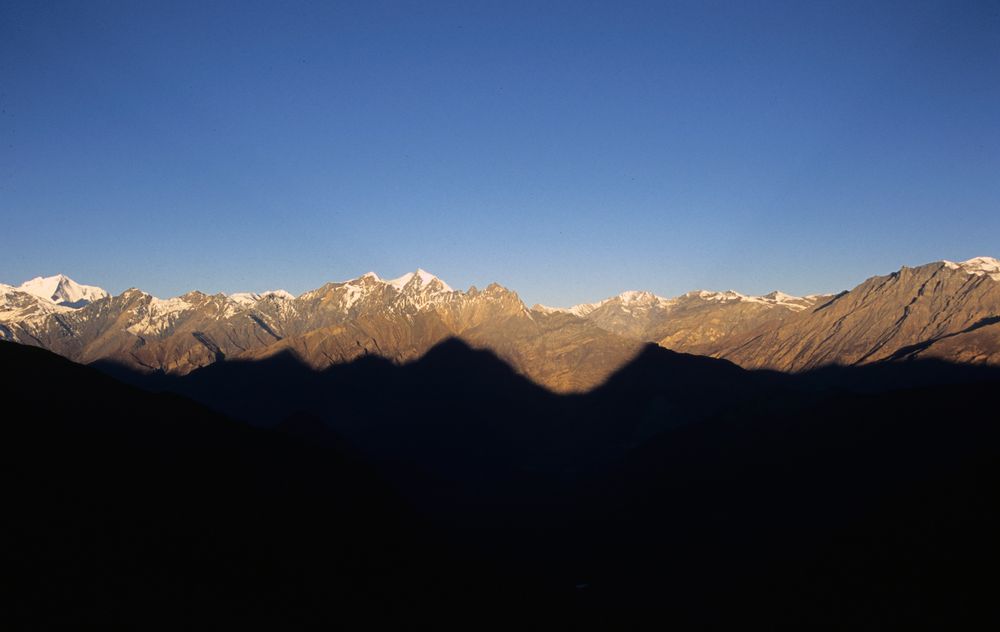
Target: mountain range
943, 310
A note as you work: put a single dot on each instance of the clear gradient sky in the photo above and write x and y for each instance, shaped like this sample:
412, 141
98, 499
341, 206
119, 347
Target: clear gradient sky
567, 150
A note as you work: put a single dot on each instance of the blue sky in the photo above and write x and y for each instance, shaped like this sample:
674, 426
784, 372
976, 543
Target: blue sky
567, 150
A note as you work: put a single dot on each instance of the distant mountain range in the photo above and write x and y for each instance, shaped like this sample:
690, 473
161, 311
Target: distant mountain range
942, 310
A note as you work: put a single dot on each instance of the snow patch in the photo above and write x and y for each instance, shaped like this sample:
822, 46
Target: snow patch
729, 295
545, 309
163, 307
18, 305
978, 266
628, 300
159, 315
576, 310
354, 294
775, 298
781, 297
249, 299
586, 308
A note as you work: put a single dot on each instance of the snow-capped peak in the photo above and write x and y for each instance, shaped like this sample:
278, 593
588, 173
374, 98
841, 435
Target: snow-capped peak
776, 297
638, 297
248, 299
978, 266
780, 296
709, 295
577, 310
629, 298
16, 304
424, 277
62, 290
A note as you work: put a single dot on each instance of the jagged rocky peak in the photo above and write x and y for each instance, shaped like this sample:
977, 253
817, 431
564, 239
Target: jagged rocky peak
419, 280
496, 288
498, 294
370, 291
366, 279
640, 298
62, 290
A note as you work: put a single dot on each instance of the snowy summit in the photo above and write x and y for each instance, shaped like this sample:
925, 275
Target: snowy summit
425, 278
62, 290
978, 266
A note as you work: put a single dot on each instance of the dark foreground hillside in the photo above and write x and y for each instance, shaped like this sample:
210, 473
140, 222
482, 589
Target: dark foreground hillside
128, 508
684, 491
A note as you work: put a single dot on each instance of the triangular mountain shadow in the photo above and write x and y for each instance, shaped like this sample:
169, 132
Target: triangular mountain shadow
459, 410
654, 363
453, 375
453, 364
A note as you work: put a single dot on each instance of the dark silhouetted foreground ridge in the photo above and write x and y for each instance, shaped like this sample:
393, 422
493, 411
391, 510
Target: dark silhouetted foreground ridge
685, 490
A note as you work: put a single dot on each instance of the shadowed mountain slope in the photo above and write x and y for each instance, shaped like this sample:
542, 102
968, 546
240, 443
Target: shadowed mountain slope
862, 510
684, 491
129, 508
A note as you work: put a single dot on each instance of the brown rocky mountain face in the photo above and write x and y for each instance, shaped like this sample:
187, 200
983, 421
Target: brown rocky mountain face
342, 323
399, 319
942, 310
147, 333
693, 322
17, 305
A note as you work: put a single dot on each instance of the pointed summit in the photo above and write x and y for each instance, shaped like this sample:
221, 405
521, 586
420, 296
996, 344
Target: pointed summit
62, 290
781, 297
424, 279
